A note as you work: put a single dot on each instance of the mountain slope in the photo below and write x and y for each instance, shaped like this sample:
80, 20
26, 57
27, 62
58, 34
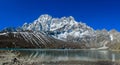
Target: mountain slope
33, 40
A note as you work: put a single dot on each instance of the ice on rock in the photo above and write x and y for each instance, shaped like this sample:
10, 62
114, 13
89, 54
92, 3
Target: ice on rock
111, 37
3, 33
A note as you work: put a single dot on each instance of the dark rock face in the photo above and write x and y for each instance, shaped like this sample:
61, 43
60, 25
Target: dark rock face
34, 40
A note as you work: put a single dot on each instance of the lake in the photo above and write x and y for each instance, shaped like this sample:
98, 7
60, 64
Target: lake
57, 55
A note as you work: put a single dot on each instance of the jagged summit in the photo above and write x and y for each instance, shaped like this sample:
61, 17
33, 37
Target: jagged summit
59, 27
47, 23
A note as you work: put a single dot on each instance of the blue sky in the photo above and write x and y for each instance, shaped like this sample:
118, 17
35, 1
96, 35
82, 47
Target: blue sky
98, 14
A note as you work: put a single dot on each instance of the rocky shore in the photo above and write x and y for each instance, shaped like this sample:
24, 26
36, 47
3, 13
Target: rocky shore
63, 63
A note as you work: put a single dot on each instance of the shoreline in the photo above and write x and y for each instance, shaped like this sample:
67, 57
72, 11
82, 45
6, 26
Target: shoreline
65, 63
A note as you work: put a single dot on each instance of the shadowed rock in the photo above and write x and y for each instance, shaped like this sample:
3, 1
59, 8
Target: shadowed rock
34, 40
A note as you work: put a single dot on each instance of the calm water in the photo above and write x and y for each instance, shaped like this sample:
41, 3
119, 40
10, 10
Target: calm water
47, 55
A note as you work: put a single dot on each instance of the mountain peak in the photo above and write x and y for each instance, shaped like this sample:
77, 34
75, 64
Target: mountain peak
60, 27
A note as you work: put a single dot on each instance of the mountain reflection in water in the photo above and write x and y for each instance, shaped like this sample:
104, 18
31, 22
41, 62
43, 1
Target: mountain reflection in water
54, 55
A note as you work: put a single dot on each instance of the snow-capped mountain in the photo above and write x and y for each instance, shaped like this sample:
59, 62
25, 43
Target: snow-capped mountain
62, 32
59, 28
67, 29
